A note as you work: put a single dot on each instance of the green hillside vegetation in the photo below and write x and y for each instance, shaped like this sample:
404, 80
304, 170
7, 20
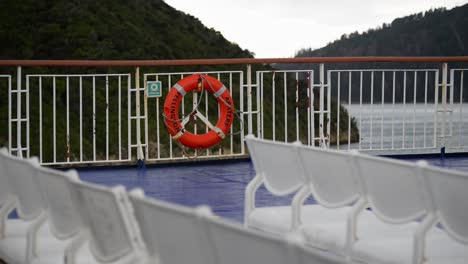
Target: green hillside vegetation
437, 32
100, 30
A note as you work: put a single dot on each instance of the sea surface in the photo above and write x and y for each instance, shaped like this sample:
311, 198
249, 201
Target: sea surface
409, 126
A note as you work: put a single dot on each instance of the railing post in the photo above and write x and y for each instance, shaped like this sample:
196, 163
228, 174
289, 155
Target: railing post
444, 107
19, 151
140, 156
322, 142
249, 98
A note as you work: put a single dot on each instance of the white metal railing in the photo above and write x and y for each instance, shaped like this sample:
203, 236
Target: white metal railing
91, 121
292, 91
283, 105
165, 148
388, 117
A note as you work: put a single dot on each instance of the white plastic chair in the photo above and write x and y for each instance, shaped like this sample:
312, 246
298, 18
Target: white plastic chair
107, 215
396, 193
235, 244
449, 193
7, 202
332, 179
172, 233
66, 229
18, 244
277, 167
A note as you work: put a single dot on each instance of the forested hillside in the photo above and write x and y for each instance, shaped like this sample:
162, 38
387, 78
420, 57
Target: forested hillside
106, 29
437, 32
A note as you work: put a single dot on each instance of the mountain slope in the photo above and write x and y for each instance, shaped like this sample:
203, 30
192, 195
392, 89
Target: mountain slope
436, 32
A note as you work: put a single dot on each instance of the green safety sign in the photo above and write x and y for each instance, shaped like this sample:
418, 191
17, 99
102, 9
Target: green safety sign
153, 88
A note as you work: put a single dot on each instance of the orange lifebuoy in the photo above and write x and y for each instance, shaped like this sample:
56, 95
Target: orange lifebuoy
191, 83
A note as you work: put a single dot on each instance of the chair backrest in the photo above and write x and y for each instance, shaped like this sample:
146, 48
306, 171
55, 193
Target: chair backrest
394, 189
330, 175
235, 244
277, 163
449, 192
22, 179
63, 218
172, 233
104, 212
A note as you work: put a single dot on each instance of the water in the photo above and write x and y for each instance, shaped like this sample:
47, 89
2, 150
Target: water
408, 126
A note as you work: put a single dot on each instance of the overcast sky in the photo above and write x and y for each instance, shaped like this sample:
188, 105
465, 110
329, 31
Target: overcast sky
279, 28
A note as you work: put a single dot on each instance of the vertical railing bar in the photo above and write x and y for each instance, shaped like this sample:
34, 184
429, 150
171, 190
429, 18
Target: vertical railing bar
349, 109
54, 118
40, 119
249, 98
219, 112
129, 115
460, 124
382, 111
329, 115
158, 134
28, 153
323, 143
451, 110
19, 151
436, 107
107, 117
206, 113
372, 110
68, 117
285, 96
94, 118
231, 137
10, 123
444, 104
273, 106
145, 105
170, 138
414, 107
259, 121
119, 121
297, 106
425, 106
338, 112
183, 101
404, 110
81, 117
241, 106
261, 106
311, 108
360, 108
27, 119
393, 111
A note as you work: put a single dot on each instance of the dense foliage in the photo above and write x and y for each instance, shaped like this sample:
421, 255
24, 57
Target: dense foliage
437, 32
106, 29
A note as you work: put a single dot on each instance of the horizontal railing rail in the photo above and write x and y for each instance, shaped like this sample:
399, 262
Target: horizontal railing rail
141, 63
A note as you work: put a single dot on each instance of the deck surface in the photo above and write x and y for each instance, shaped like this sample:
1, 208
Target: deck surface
220, 184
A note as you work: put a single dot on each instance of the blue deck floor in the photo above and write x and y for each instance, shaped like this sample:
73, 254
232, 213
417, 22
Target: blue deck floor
220, 184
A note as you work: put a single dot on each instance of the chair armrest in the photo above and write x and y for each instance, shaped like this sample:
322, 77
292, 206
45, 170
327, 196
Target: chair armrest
351, 223
419, 239
250, 190
296, 206
6, 208
31, 237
